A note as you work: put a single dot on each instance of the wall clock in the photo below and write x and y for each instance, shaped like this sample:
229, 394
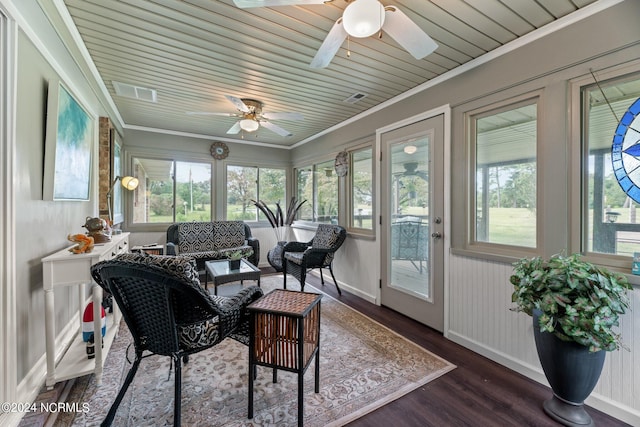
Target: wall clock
342, 163
625, 152
219, 150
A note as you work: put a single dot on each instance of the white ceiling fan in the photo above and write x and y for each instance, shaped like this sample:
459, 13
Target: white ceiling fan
251, 116
361, 18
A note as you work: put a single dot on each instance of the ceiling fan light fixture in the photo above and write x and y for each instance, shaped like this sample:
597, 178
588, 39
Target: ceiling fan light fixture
249, 125
410, 149
363, 18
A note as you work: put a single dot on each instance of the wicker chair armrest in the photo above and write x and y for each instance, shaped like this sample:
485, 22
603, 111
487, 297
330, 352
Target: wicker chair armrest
315, 256
233, 311
241, 299
296, 246
171, 248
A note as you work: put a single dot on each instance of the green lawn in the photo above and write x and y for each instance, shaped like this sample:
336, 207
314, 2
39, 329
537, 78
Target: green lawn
512, 226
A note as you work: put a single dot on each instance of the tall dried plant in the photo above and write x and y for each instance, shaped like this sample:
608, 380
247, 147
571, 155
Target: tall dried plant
279, 222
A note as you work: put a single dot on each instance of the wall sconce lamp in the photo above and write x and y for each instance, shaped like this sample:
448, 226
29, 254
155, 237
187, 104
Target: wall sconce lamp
130, 183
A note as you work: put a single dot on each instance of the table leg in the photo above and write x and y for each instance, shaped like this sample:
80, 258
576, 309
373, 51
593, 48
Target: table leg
317, 372
50, 337
252, 366
300, 398
300, 372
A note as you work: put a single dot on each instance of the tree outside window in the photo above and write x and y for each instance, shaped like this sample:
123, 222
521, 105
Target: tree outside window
248, 183
171, 191
318, 185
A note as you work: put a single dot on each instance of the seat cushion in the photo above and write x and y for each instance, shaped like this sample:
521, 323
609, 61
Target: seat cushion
200, 334
210, 236
295, 257
228, 234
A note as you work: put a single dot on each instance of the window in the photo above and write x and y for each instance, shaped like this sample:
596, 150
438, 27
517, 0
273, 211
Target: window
505, 175
318, 185
361, 186
171, 191
247, 183
612, 223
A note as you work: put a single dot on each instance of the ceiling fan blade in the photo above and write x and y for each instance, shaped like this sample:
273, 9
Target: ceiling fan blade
237, 102
275, 128
407, 33
235, 128
270, 3
283, 116
204, 113
329, 46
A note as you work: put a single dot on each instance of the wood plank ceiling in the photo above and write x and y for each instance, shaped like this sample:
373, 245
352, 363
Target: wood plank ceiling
194, 52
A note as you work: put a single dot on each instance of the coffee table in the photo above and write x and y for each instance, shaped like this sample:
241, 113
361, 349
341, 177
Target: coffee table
220, 272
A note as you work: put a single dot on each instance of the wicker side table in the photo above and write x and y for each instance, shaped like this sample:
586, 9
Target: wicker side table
285, 334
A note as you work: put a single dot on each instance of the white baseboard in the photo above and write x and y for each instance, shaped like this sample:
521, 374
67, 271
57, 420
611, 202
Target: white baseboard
348, 288
601, 403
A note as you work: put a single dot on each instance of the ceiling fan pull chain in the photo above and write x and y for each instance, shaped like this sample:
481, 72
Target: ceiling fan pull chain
348, 47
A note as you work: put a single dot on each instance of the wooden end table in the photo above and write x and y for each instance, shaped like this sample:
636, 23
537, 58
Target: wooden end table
220, 272
284, 333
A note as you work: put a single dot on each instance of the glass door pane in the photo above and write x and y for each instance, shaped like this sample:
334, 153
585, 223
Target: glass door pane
410, 198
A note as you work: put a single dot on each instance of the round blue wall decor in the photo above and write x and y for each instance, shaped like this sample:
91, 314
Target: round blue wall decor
625, 152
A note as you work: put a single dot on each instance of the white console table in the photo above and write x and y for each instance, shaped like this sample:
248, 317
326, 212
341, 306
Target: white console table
64, 268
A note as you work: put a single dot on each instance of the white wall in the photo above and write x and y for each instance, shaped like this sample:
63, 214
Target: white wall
481, 319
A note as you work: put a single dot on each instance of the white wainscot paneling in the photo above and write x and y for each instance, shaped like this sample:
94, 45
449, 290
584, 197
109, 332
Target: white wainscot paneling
480, 319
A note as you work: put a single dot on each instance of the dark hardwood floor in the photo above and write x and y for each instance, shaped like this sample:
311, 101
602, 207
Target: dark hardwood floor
478, 392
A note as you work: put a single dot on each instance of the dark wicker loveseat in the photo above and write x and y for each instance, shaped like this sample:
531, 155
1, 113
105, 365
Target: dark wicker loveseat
211, 240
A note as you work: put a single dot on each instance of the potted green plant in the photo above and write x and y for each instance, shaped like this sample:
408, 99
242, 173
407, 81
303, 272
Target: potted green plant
234, 259
575, 306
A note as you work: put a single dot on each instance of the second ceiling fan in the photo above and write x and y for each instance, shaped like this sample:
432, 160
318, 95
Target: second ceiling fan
361, 18
251, 116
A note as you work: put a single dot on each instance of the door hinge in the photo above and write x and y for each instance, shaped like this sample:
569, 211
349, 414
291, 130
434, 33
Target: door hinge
380, 220
380, 155
380, 283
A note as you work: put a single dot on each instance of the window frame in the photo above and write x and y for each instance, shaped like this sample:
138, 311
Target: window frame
313, 203
579, 155
349, 193
129, 208
470, 120
258, 221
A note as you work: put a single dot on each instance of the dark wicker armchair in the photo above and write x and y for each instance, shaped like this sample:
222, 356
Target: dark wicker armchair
298, 257
168, 312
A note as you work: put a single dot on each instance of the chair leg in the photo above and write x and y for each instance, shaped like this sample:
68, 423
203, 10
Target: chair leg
334, 279
303, 277
321, 277
177, 405
114, 407
284, 273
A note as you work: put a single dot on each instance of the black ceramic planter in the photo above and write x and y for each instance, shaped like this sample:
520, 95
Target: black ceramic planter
274, 256
572, 371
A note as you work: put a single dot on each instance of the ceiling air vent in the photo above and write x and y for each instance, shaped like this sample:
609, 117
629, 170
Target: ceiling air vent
355, 98
135, 92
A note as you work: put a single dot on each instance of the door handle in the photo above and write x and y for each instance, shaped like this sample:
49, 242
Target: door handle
436, 235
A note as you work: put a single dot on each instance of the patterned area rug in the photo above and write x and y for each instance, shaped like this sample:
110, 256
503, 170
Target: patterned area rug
363, 365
